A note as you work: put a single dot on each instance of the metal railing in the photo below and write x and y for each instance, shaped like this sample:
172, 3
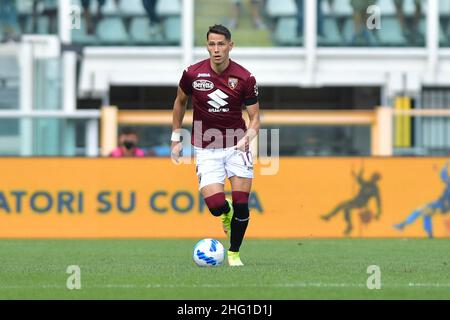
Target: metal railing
379, 120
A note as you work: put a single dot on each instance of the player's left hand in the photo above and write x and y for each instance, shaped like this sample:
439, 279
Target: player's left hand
176, 149
243, 144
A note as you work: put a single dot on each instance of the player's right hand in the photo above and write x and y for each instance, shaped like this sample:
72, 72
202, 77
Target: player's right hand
243, 144
175, 151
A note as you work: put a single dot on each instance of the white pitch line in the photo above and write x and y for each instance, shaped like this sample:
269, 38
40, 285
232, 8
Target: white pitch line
248, 285
429, 285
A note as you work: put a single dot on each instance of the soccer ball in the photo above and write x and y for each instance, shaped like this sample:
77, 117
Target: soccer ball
208, 253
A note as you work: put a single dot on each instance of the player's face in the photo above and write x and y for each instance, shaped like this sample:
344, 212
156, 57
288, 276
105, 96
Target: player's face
219, 48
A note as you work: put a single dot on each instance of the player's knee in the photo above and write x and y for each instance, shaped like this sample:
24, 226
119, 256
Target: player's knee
216, 203
216, 211
240, 205
241, 211
240, 196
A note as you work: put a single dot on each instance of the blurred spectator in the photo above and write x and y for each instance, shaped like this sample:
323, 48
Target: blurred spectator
255, 13
128, 141
410, 28
34, 16
360, 16
50, 9
89, 20
155, 21
9, 26
87, 15
300, 14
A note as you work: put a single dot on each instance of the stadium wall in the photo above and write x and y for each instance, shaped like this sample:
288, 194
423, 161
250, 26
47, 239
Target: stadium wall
152, 197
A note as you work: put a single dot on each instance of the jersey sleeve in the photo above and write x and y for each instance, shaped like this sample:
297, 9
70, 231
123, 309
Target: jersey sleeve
186, 83
251, 91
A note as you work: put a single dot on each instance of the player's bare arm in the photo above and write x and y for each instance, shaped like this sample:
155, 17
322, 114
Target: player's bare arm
179, 109
253, 127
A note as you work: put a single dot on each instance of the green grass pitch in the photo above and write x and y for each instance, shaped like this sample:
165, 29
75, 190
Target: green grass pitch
275, 269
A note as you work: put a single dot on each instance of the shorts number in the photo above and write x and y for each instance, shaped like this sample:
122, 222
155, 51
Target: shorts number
247, 158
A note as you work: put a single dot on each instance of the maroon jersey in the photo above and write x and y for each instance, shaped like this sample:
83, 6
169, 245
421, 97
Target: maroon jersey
217, 100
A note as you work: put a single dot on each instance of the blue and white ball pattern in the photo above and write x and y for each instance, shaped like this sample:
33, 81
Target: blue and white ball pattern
208, 253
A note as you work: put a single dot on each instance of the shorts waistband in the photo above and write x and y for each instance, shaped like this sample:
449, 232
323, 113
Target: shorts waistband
215, 148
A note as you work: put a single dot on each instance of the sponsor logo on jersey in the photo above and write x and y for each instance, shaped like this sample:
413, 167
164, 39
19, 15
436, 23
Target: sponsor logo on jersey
203, 75
218, 101
203, 85
232, 83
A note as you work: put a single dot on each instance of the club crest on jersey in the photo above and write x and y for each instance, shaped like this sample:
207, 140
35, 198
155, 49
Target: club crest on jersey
203, 85
232, 83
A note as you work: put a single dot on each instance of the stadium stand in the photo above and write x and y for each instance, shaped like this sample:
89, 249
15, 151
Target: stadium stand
125, 52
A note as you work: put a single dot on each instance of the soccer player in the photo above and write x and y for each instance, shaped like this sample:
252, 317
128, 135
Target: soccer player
219, 88
442, 204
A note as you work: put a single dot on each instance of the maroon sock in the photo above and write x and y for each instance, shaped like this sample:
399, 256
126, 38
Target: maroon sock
217, 204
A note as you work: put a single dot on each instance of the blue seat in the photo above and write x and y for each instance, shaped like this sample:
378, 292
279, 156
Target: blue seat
42, 25
172, 30
409, 7
111, 30
281, 8
331, 36
391, 33
50, 4
447, 34
444, 8
141, 34
285, 33
24, 7
9, 67
443, 39
132, 7
387, 8
139, 30
80, 36
110, 7
168, 8
9, 96
342, 8
350, 38
325, 7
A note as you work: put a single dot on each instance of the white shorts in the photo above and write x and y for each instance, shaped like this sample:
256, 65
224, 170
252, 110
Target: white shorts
215, 165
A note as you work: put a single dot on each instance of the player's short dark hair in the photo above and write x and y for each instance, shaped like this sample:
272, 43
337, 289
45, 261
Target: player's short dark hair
127, 130
219, 29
